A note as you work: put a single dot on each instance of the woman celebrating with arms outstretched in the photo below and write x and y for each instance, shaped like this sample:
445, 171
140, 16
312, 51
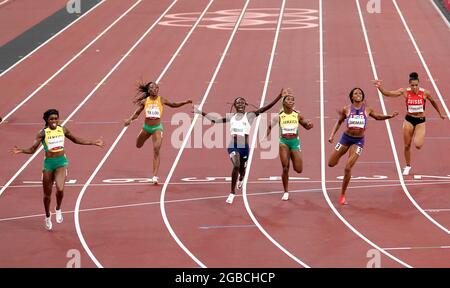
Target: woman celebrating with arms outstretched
238, 149
414, 124
55, 163
289, 119
150, 102
355, 116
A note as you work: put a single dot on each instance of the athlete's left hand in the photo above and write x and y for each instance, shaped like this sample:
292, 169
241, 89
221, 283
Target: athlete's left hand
99, 143
309, 125
442, 116
394, 114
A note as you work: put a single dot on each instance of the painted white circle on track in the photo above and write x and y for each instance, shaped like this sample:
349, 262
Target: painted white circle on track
263, 19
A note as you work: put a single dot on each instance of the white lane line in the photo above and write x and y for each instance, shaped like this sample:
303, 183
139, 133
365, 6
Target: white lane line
38, 184
69, 117
255, 194
438, 92
253, 144
83, 190
441, 14
4, 2
418, 248
227, 226
188, 135
69, 62
438, 210
323, 141
388, 125
51, 38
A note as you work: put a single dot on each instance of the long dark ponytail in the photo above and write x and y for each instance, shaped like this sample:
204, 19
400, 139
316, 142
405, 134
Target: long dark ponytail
143, 91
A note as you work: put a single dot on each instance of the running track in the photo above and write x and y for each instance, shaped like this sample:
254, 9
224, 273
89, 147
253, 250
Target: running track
124, 225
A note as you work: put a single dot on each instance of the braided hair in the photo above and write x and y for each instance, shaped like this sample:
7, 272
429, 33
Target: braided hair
47, 115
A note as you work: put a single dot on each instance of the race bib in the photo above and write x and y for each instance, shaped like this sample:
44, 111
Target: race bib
153, 112
55, 144
286, 130
356, 121
415, 108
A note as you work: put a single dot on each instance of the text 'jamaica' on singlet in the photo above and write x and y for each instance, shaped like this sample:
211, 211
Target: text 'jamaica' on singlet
153, 108
357, 119
288, 124
53, 139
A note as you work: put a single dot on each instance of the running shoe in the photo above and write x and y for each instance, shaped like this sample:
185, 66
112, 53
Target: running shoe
230, 198
285, 196
48, 223
406, 170
342, 200
59, 216
155, 180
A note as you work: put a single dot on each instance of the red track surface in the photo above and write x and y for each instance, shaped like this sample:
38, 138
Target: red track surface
220, 235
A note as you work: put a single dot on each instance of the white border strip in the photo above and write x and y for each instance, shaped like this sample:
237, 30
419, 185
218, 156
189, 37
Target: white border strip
68, 63
51, 38
253, 144
323, 141
188, 135
67, 119
422, 59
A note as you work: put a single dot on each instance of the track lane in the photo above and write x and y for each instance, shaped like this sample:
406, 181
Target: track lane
28, 75
105, 94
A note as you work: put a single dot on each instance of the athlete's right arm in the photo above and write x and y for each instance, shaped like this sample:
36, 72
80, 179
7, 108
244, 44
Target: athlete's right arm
394, 93
342, 116
33, 148
211, 117
136, 113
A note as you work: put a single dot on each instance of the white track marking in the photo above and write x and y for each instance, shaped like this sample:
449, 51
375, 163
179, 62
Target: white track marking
68, 62
83, 190
323, 141
388, 125
441, 14
253, 144
180, 151
65, 121
422, 60
417, 248
257, 194
51, 38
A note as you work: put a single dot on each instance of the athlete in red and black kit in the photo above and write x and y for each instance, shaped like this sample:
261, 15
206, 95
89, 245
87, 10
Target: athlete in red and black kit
414, 124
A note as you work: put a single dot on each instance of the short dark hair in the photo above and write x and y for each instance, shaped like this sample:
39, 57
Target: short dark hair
353, 90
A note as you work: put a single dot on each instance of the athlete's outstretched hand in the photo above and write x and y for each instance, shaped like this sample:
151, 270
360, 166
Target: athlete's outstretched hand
376, 83
197, 110
99, 142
